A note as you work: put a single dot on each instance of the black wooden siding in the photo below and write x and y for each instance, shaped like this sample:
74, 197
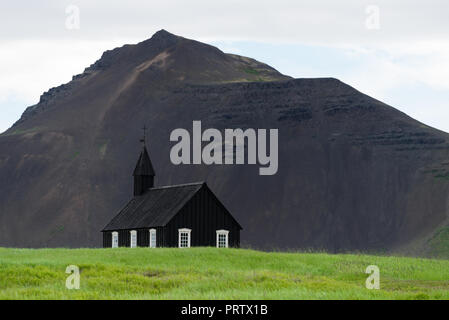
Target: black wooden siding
107, 239
204, 215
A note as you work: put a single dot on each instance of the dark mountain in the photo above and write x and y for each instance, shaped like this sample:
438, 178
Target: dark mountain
354, 173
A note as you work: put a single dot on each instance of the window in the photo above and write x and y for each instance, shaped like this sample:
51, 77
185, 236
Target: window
152, 238
115, 239
184, 238
222, 238
133, 239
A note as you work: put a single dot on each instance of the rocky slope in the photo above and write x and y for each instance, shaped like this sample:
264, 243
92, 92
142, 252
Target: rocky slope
354, 173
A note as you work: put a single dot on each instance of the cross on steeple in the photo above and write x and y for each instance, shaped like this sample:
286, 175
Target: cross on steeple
143, 140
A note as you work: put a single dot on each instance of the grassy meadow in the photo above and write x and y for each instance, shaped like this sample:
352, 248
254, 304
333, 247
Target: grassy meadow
210, 273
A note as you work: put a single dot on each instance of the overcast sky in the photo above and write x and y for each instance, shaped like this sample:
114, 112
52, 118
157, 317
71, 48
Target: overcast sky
395, 51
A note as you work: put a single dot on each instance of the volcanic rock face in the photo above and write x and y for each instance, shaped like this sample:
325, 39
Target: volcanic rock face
354, 173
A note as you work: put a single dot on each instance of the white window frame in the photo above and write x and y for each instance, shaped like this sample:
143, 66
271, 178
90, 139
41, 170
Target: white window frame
150, 242
181, 231
114, 237
225, 233
133, 244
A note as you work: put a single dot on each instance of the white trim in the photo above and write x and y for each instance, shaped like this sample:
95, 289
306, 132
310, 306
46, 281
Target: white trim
133, 236
225, 233
150, 242
181, 231
114, 237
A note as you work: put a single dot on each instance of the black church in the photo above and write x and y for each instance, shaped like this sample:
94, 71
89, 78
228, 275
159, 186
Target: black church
183, 216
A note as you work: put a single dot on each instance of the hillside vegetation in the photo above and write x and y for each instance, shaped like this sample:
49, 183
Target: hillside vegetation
209, 273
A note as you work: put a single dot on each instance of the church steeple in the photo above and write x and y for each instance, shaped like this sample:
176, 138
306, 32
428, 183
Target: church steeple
143, 173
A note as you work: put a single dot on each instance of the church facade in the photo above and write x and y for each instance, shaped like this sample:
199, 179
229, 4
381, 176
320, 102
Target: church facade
183, 216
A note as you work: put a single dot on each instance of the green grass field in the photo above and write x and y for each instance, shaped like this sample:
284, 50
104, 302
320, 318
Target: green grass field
209, 273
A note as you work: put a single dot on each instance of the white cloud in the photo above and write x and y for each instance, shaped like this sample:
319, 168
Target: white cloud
30, 67
318, 21
387, 67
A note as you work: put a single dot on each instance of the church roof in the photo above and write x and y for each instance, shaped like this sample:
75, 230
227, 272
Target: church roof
144, 167
155, 208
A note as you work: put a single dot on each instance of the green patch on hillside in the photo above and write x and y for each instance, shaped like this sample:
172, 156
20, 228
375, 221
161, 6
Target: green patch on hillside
103, 148
210, 273
55, 231
444, 176
256, 75
252, 71
439, 243
21, 131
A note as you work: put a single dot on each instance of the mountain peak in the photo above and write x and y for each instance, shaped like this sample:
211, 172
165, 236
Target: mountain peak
161, 34
162, 38
175, 59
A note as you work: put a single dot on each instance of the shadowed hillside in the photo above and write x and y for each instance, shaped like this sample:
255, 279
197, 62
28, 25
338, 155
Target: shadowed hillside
354, 173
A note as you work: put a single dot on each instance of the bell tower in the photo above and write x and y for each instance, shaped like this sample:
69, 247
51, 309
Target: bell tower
143, 173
